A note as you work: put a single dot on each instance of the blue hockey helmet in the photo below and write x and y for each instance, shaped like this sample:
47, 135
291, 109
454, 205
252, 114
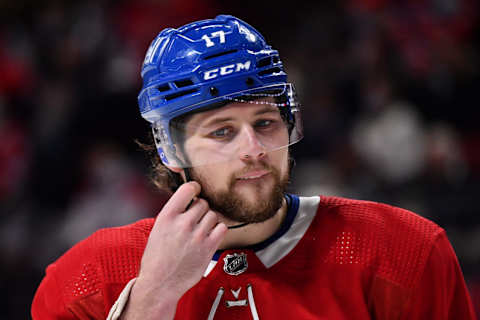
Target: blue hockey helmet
206, 62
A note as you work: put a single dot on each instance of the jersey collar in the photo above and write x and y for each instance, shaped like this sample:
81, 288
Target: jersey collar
300, 213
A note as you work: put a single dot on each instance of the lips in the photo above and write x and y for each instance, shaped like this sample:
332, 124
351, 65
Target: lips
254, 174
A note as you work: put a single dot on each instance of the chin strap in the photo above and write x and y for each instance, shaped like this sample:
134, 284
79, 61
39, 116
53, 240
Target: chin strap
188, 176
238, 225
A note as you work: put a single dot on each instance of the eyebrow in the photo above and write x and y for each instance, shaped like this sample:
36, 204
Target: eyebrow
267, 109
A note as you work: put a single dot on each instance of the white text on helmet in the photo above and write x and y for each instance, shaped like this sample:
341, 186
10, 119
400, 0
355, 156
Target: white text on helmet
225, 70
209, 42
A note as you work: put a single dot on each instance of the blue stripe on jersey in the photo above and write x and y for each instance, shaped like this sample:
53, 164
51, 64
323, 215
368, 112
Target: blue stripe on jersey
292, 209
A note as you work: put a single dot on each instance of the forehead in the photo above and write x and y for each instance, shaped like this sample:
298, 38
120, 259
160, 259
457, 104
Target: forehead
235, 111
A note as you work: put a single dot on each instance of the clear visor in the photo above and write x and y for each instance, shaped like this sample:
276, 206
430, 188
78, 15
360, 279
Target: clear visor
247, 125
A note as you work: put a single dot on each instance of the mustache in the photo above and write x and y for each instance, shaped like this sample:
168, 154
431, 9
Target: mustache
259, 165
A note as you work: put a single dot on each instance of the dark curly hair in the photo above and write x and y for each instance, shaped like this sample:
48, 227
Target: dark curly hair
162, 177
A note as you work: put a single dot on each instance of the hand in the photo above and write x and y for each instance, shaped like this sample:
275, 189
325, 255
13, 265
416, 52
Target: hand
179, 249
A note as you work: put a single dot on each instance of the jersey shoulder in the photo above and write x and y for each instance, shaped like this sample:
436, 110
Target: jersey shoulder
394, 242
375, 214
101, 264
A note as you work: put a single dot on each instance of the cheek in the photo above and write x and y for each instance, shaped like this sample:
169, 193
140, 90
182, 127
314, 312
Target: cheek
281, 160
217, 176
206, 155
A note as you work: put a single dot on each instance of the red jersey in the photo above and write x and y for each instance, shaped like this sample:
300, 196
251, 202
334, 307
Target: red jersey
332, 258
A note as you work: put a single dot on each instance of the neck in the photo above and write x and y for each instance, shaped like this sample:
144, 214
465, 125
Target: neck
254, 232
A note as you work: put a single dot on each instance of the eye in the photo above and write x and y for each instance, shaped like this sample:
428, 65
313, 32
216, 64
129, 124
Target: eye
221, 133
264, 123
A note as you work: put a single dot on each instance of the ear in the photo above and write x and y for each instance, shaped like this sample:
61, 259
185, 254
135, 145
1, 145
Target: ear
174, 169
177, 170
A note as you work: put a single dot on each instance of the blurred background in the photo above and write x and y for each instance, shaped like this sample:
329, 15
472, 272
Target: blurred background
388, 87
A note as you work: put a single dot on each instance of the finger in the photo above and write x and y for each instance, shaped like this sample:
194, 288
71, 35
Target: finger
179, 201
196, 211
217, 234
207, 222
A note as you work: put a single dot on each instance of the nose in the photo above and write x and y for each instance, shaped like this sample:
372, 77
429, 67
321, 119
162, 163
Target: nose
251, 148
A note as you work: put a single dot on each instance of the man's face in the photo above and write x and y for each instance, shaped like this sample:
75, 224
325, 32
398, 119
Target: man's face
246, 171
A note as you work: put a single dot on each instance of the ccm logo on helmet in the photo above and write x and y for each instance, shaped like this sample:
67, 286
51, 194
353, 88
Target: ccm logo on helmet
228, 69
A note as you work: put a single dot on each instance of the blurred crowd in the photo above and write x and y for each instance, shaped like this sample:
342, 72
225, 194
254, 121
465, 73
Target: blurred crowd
388, 91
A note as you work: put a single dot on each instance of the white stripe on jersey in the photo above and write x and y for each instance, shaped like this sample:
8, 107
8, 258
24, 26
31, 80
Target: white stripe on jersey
283, 245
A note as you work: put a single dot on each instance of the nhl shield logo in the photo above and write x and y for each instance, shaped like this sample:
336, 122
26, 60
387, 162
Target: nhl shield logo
235, 264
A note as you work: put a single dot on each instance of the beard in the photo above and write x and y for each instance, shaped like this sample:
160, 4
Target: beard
235, 207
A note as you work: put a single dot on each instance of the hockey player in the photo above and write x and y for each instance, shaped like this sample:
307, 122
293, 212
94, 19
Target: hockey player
231, 243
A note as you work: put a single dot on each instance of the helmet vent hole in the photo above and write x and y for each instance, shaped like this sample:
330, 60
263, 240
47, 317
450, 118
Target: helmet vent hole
269, 71
163, 87
250, 81
223, 53
179, 94
263, 62
183, 83
213, 91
